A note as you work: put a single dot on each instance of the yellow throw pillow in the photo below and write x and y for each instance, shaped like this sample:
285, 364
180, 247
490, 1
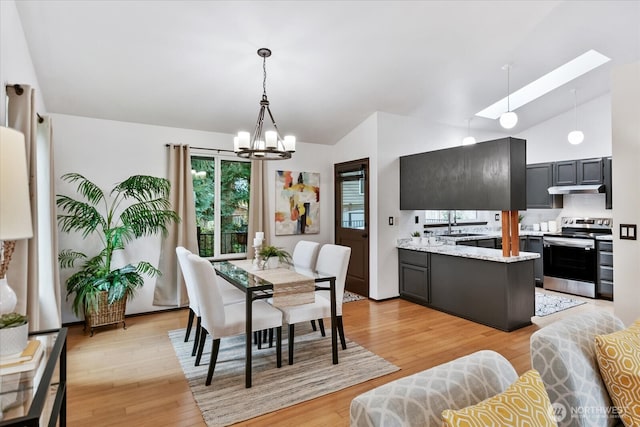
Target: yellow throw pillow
524, 403
618, 357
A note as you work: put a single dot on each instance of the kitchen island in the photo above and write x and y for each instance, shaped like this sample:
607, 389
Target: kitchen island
475, 283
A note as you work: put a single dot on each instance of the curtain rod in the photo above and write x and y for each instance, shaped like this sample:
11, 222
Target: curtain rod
19, 91
219, 150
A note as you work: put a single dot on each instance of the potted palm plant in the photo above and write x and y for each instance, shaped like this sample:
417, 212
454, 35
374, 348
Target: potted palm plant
101, 289
271, 256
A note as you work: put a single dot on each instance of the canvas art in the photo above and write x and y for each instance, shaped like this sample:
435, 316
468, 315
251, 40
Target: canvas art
297, 203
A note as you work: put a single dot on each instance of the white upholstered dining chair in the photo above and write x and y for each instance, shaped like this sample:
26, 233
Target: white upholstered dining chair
333, 260
221, 320
305, 254
230, 295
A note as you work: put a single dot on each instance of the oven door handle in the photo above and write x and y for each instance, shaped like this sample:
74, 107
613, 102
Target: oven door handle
571, 243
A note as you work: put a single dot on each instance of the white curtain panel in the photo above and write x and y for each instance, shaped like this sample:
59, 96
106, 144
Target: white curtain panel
170, 287
33, 271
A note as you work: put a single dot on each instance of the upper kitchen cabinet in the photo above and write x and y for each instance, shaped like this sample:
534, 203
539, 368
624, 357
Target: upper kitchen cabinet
485, 176
578, 172
565, 173
590, 171
539, 179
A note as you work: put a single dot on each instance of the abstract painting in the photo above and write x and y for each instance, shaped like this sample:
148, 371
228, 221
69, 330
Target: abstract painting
297, 203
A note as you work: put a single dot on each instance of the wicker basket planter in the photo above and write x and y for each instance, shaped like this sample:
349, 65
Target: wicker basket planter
106, 314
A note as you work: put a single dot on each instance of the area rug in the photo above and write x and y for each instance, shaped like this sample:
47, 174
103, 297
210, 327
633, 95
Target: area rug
227, 401
350, 296
548, 304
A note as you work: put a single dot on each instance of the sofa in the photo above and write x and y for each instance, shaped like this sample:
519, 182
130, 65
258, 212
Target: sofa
419, 399
564, 354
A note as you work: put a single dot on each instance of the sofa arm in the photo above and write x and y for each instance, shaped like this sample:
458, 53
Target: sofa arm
564, 355
419, 399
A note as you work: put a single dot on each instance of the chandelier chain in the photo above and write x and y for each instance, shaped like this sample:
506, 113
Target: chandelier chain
264, 77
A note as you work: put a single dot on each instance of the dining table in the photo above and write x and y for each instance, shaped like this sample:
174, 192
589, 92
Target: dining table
257, 284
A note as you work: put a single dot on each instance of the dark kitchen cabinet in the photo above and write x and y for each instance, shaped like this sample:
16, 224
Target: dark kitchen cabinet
604, 288
485, 176
539, 179
414, 275
607, 170
590, 171
490, 243
565, 172
534, 244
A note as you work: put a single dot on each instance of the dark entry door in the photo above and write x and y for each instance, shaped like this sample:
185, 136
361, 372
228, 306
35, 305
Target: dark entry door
352, 220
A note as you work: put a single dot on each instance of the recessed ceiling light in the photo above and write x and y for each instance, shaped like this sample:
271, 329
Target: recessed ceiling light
545, 84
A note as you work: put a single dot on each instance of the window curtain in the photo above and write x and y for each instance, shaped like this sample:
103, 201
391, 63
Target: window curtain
33, 272
170, 288
259, 219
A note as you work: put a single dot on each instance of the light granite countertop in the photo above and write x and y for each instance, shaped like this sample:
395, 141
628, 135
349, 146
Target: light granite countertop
485, 254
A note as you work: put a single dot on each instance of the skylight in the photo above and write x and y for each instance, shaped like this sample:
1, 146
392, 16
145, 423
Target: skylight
545, 84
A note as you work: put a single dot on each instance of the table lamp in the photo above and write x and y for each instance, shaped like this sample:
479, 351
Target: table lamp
15, 209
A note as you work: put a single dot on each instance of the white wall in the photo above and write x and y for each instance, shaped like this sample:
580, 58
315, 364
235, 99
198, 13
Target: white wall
547, 142
625, 101
109, 151
16, 66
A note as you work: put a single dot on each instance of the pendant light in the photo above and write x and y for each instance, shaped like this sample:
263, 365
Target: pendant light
508, 119
468, 140
576, 136
267, 145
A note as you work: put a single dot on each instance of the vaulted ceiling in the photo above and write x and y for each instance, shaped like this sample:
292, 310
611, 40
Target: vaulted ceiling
193, 64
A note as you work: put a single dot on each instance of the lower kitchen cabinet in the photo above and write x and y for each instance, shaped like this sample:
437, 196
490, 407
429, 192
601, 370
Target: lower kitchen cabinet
534, 244
414, 275
604, 287
497, 294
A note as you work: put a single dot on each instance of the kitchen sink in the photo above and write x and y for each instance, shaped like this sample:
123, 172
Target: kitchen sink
461, 234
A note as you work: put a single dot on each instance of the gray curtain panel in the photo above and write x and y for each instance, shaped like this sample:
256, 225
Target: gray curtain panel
259, 219
170, 288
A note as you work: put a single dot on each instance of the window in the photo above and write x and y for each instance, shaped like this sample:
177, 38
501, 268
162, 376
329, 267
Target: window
221, 194
443, 216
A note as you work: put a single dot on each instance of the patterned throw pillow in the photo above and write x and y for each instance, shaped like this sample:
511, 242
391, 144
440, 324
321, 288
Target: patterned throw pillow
618, 357
524, 403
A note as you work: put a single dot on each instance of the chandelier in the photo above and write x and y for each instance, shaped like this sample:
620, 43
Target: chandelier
268, 145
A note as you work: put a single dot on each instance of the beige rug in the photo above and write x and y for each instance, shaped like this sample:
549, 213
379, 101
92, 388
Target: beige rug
227, 401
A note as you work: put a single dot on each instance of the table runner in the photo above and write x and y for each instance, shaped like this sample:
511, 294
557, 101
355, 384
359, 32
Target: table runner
289, 287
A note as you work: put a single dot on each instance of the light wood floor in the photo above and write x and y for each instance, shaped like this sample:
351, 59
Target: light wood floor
132, 377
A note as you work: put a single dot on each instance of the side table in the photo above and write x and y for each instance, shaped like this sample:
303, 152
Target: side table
37, 394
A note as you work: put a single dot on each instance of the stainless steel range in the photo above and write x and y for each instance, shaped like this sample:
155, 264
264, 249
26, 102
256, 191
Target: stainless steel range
570, 263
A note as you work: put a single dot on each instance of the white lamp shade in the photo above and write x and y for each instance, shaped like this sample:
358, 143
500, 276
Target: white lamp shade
468, 140
575, 137
508, 120
243, 140
290, 143
15, 208
271, 139
236, 143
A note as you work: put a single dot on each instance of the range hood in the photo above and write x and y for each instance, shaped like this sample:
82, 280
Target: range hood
577, 189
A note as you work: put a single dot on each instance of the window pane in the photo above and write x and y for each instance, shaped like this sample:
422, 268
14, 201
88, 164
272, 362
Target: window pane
443, 216
203, 173
234, 206
352, 204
